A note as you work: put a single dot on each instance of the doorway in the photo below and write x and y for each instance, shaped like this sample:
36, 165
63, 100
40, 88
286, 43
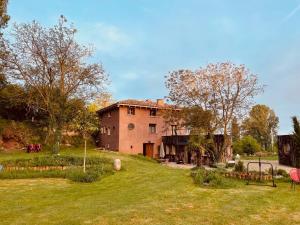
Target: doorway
148, 149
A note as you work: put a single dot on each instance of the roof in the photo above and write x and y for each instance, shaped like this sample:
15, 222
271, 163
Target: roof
138, 103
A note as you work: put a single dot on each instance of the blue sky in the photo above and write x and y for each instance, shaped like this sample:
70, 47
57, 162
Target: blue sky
140, 41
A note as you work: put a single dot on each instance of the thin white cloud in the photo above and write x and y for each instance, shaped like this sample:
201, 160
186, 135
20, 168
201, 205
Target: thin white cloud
106, 38
291, 14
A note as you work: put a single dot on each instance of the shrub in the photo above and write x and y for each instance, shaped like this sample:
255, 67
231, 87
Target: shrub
18, 132
79, 176
210, 178
56, 161
279, 172
247, 145
96, 168
239, 167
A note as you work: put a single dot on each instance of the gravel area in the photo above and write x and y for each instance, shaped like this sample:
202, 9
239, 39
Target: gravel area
275, 164
251, 166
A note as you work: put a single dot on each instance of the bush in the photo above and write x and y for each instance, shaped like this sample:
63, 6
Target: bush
239, 167
279, 172
79, 176
247, 145
210, 178
96, 167
56, 161
17, 132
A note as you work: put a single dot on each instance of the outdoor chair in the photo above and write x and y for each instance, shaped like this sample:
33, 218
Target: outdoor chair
295, 177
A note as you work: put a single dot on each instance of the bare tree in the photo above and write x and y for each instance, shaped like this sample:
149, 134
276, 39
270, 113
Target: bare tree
3, 14
51, 62
225, 89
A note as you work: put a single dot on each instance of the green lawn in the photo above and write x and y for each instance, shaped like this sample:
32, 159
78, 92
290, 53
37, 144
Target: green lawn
144, 192
270, 157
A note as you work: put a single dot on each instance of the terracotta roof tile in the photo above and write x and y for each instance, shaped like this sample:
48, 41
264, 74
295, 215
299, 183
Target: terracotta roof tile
141, 103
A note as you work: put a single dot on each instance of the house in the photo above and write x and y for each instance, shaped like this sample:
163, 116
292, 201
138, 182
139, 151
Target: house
133, 126
138, 127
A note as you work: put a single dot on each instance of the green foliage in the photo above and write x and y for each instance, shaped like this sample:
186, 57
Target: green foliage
85, 122
56, 160
142, 157
18, 132
279, 172
13, 102
261, 124
80, 176
239, 167
247, 145
296, 136
211, 178
96, 168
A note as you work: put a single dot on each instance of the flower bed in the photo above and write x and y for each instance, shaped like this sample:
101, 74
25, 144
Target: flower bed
255, 176
57, 166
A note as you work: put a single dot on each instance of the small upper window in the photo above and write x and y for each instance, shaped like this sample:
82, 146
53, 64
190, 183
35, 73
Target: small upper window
131, 111
109, 114
130, 126
152, 112
152, 128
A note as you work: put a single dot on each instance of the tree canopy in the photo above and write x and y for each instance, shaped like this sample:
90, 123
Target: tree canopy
54, 66
262, 124
225, 89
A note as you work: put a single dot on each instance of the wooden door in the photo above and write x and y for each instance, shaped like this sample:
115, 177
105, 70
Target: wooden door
149, 150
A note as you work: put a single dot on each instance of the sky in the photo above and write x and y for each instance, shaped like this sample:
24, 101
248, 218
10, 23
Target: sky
140, 41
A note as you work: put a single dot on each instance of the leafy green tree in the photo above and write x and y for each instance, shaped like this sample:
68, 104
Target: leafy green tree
262, 124
86, 123
13, 102
247, 145
199, 122
51, 62
296, 136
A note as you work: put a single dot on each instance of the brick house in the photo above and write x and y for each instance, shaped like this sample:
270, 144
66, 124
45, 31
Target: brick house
138, 127
134, 127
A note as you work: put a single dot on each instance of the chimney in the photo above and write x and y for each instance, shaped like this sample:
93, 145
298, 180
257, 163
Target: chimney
160, 102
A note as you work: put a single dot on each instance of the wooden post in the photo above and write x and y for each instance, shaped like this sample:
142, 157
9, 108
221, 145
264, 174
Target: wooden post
84, 158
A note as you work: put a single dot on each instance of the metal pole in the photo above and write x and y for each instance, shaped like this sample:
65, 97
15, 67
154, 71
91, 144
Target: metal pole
259, 163
84, 158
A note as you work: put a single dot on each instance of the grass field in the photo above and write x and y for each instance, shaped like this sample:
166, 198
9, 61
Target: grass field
144, 192
270, 157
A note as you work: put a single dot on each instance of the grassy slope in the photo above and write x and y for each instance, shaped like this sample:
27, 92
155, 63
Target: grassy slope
143, 193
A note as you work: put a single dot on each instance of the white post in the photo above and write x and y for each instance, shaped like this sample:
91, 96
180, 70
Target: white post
84, 158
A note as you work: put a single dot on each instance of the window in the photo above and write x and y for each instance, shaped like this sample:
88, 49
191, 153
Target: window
130, 126
152, 128
109, 114
108, 131
131, 111
152, 112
